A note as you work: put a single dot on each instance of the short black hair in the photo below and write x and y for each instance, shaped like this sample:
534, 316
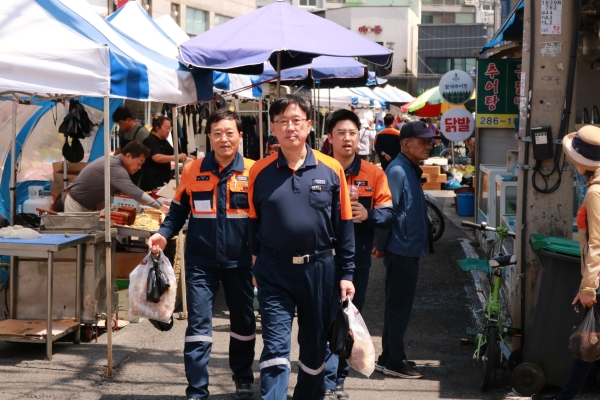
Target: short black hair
136, 149
220, 115
122, 113
388, 119
279, 106
340, 115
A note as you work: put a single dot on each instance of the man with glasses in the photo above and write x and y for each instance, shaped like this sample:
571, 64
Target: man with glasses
403, 247
213, 193
300, 216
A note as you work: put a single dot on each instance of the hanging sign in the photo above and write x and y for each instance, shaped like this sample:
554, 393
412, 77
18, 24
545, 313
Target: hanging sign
499, 85
457, 124
551, 20
456, 87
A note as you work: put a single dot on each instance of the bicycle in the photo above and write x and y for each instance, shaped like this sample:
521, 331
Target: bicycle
490, 335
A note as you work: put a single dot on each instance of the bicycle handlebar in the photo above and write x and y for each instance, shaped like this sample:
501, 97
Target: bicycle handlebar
485, 227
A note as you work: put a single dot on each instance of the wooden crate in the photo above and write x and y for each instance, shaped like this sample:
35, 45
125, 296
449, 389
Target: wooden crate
432, 186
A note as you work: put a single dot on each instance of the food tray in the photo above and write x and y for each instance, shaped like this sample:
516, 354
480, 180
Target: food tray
131, 231
76, 221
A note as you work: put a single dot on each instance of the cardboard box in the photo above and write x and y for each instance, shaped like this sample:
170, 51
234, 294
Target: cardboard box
126, 262
432, 186
441, 178
430, 169
56, 184
73, 169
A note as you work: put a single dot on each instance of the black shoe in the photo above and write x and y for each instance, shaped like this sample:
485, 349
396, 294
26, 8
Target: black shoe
380, 364
341, 393
243, 389
330, 395
404, 370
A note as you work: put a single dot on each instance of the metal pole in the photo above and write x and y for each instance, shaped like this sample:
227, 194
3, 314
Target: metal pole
260, 128
180, 236
13, 163
107, 236
278, 73
65, 178
49, 306
78, 264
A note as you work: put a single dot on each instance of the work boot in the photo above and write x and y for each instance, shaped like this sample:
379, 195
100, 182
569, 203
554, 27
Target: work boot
330, 395
404, 370
380, 364
243, 389
341, 393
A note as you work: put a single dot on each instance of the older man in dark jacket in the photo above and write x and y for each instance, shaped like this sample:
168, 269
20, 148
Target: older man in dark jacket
403, 246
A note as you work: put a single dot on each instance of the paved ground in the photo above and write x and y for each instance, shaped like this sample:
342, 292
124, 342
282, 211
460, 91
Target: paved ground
149, 364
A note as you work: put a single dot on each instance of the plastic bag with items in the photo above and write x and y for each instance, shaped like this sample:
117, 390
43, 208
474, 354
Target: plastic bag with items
138, 286
584, 343
362, 358
157, 282
340, 341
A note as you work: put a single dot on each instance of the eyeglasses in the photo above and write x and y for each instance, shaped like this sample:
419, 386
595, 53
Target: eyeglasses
284, 122
219, 135
346, 133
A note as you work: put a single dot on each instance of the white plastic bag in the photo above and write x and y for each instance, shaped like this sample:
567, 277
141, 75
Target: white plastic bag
362, 358
138, 280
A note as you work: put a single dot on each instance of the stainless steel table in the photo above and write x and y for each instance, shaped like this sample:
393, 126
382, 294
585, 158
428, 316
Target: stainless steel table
45, 247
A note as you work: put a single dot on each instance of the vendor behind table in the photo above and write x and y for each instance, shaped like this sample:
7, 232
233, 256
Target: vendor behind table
86, 192
156, 171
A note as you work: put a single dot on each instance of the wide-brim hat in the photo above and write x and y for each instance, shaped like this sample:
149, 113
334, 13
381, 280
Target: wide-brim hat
582, 148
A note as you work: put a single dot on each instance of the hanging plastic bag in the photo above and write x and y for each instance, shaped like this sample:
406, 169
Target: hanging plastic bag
138, 284
340, 341
584, 343
362, 358
157, 282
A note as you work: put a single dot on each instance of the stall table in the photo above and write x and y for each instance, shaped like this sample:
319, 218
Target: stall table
16, 330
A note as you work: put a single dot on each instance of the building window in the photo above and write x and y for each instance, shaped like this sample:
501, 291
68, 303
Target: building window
464, 18
435, 17
308, 3
195, 21
446, 2
175, 13
442, 65
221, 19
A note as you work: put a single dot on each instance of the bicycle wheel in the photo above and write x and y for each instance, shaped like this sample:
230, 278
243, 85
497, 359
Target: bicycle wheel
491, 358
437, 221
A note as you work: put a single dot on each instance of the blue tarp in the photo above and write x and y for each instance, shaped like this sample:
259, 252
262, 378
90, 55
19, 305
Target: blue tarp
511, 28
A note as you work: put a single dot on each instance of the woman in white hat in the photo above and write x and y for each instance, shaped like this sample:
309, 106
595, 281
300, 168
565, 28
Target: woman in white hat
583, 149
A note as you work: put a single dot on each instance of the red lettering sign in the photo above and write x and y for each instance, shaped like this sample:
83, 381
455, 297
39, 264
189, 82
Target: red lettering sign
492, 71
491, 101
457, 124
377, 29
492, 85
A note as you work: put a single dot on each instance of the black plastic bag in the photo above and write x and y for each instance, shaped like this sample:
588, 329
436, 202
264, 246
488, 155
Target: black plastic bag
584, 343
157, 282
162, 326
340, 341
27, 220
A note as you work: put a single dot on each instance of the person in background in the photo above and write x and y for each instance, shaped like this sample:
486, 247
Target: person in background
403, 120
272, 145
365, 137
300, 216
129, 130
213, 194
371, 209
403, 246
387, 142
582, 148
157, 171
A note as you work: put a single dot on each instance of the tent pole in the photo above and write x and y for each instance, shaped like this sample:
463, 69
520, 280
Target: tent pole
13, 164
278, 73
260, 128
65, 178
318, 112
108, 236
175, 125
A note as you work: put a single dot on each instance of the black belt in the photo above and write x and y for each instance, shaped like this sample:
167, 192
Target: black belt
297, 259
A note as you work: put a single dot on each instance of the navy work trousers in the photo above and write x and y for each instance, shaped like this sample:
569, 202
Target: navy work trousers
400, 286
202, 287
283, 287
336, 367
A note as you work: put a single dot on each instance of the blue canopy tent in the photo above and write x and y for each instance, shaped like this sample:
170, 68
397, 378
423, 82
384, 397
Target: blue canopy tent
511, 29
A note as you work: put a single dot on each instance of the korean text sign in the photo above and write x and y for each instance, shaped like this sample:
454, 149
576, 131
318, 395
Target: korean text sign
498, 93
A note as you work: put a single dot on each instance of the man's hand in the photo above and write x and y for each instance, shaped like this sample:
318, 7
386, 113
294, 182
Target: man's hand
164, 209
156, 242
359, 212
377, 254
347, 289
586, 299
182, 157
388, 157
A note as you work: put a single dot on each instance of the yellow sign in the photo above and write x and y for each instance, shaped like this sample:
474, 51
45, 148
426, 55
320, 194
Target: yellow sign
496, 120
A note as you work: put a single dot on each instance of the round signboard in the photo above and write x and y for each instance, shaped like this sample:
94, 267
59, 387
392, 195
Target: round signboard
457, 124
456, 87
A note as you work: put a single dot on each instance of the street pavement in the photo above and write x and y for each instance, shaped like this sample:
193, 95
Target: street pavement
148, 364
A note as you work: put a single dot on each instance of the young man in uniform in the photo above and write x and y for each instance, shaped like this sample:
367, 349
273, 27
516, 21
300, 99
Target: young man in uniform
299, 215
370, 210
214, 194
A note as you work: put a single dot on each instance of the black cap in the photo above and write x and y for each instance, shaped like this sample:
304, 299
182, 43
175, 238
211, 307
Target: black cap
416, 129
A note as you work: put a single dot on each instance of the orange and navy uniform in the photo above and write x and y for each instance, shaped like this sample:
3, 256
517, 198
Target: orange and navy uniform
216, 200
374, 194
388, 142
303, 211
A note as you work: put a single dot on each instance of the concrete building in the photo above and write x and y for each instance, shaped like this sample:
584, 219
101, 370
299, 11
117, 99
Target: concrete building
194, 16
